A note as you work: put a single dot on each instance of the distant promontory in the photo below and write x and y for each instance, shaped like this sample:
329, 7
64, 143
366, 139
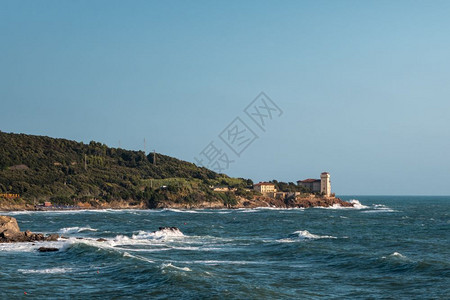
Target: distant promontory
38, 172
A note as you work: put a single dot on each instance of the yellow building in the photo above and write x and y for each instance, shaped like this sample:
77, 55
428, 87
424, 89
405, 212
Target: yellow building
265, 187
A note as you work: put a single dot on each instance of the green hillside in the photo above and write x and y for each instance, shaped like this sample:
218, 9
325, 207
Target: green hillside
40, 168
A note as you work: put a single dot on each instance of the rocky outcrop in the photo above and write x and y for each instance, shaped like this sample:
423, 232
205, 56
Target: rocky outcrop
173, 229
47, 249
317, 202
293, 202
10, 233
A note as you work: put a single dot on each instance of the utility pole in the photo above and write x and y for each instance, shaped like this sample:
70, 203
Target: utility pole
145, 150
85, 163
154, 157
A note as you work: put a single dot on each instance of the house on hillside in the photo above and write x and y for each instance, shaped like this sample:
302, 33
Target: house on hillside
265, 187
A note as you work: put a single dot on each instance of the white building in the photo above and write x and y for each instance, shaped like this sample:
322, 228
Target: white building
322, 185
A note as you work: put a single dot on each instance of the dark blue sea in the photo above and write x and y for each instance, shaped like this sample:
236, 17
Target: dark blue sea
385, 248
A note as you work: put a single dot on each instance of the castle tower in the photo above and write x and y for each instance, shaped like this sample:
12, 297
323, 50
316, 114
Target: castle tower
325, 185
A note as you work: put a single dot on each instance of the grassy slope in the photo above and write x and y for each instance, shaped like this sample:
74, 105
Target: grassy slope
53, 169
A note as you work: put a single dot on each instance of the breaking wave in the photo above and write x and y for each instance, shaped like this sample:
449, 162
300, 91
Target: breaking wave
76, 229
379, 208
31, 247
45, 271
356, 205
303, 235
169, 265
396, 255
163, 233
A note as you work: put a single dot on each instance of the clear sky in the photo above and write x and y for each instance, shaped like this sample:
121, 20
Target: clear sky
364, 86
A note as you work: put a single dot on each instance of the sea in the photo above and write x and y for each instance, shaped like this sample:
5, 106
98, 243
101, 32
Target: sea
386, 247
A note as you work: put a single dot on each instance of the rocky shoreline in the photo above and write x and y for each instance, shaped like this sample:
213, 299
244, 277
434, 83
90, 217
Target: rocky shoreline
261, 201
10, 233
256, 202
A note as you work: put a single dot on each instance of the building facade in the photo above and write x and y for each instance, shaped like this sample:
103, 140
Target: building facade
265, 187
322, 185
325, 185
313, 185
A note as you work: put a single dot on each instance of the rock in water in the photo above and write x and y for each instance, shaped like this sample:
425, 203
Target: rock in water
9, 224
174, 229
9, 229
47, 249
10, 232
52, 237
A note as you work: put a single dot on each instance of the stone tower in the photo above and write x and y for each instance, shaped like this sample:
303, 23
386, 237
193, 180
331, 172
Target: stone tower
325, 185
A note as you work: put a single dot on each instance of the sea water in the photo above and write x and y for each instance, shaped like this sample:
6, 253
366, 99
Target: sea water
385, 247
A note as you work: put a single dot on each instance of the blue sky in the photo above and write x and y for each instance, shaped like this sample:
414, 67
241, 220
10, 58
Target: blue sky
363, 85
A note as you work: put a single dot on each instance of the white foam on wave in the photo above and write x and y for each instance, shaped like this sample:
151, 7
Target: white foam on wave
305, 234
155, 239
32, 247
356, 205
45, 271
247, 210
264, 208
169, 265
279, 208
159, 234
181, 210
19, 212
199, 211
379, 208
126, 254
396, 255
286, 241
302, 235
110, 244
165, 239
76, 229
223, 262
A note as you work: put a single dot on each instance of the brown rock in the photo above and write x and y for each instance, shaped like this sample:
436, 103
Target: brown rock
52, 237
9, 223
10, 232
11, 236
101, 240
47, 249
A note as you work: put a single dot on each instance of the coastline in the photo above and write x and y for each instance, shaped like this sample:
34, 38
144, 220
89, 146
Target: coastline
256, 202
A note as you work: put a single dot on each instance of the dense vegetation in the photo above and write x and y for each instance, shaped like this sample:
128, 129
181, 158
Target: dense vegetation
41, 168
289, 187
